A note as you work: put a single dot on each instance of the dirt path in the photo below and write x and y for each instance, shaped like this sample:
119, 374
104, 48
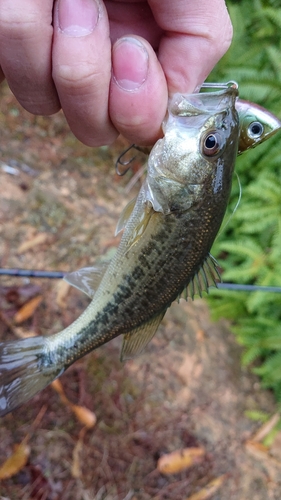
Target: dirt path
58, 210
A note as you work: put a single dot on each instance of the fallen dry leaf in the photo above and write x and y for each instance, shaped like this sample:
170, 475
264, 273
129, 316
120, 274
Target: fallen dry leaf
23, 334
200, 335
84, 415
56, 384
262, 453
209, 490
76, 471
256, 449
76, 462
18, 331
27, 310
16, 461
179, 460
62, 292
39, 239
266, 428
19, 458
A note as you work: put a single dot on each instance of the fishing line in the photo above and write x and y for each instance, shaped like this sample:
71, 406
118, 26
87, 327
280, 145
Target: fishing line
32, 273
248, 288
235, 208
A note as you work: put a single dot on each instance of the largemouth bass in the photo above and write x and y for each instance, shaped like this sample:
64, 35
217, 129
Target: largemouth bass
163, 253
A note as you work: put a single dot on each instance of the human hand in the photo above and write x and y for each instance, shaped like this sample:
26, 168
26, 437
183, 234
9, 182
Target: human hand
97, 60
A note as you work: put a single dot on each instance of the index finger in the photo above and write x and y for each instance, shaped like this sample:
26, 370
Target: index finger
196, 35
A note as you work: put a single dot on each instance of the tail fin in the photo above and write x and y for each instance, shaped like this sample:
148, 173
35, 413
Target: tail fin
25, 369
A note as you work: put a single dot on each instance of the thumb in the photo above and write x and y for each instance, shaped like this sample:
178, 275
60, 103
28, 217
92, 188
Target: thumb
196, 35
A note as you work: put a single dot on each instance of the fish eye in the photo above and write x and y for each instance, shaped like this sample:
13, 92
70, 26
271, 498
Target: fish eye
211, 144
255, 130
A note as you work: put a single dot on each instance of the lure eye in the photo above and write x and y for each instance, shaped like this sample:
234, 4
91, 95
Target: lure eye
212, 144
255, 130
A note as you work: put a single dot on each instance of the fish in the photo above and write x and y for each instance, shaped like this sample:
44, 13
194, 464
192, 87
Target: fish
164, 252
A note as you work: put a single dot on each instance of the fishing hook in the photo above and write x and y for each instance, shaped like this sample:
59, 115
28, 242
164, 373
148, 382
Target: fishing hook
119, 161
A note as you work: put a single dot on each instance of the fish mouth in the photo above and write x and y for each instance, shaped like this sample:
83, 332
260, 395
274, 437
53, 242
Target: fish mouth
204, 102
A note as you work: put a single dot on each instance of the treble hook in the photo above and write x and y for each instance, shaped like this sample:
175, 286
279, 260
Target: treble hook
119, 161
143, 149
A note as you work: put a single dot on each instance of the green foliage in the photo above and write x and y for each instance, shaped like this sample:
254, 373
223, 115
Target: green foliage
249, 249
257, 416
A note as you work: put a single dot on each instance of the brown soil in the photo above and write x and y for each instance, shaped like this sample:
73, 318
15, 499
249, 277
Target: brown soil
187, 389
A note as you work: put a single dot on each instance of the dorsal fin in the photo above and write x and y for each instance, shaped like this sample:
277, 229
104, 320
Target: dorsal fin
87, 279
207, 276
125, 215
135, 341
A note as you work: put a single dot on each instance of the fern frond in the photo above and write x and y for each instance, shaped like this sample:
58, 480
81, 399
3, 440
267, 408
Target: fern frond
274, 15
250, 355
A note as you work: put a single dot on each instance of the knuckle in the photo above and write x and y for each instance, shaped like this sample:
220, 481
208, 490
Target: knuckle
17, 24
76, 77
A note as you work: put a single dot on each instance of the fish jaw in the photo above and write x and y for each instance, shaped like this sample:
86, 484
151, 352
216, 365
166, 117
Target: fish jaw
253, 116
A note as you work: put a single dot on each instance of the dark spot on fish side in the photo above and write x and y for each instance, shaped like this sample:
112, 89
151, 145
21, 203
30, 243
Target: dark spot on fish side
138, 273
126, 292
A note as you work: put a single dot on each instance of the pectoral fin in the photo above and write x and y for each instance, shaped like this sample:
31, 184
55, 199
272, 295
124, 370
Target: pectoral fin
135, 341
141, 226
87, 279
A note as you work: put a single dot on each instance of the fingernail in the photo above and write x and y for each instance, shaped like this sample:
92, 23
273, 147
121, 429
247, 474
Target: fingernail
129, 63
77, 17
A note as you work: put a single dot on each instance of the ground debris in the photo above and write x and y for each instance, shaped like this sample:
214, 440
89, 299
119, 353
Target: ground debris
27, 310
16, 461
209, 490
179, 460
84, 415
36, 240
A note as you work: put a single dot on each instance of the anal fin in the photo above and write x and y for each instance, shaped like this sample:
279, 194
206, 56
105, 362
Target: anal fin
87, 279
135, 341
